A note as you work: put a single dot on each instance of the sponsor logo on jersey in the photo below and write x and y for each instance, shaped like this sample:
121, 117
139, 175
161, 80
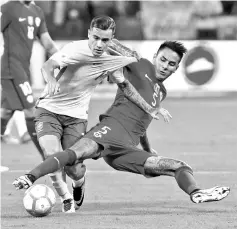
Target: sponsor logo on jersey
148, 77
21, 19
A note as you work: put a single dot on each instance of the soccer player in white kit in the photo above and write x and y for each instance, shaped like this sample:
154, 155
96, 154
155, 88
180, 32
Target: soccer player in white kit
62, 111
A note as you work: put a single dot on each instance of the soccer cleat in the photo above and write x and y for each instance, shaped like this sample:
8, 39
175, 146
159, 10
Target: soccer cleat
24, 181
208, 195
68, 206
78, 195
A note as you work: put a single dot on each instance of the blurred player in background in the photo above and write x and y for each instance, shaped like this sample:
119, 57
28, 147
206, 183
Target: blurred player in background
62, 110
21, 23
124, 126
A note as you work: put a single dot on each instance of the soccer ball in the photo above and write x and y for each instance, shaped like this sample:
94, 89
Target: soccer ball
39, 200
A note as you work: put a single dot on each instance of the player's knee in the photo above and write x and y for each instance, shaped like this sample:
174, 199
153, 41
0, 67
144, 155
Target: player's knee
183, 166
6, 114
76, 172
86, 148
50, 145
29, 113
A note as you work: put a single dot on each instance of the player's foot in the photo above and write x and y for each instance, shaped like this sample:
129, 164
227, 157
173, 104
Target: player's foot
24, 181
208, 195
78, 195
8, 139
68, 206
25, 138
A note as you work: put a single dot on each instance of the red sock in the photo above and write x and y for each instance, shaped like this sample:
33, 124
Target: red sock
54, 163
185, 180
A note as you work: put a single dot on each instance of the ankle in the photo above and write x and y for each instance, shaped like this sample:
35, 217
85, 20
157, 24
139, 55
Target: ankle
195, 190
78, 183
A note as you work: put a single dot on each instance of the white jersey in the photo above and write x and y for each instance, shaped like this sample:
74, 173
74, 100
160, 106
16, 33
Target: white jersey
84, 72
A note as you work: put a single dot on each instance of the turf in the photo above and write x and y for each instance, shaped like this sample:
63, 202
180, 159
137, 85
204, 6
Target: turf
203, 133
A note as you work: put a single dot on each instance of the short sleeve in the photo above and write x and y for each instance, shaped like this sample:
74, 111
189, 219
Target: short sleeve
5, 17
66, 56
42, 27
61, 59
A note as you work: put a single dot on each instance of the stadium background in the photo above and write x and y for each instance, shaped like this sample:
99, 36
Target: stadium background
208, 29
201, 99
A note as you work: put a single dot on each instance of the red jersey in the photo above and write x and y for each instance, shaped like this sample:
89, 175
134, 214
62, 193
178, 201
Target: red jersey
20, 25
142, 76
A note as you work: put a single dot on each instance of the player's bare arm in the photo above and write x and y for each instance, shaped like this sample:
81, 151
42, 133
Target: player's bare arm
131, 93
48, 73
118, 49
48, 43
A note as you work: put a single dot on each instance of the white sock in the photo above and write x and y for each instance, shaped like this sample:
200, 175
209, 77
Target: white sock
9, 128
20, 122
60, 185
78, 183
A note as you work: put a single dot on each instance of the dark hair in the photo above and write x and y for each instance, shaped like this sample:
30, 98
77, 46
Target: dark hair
104, 23
176, 46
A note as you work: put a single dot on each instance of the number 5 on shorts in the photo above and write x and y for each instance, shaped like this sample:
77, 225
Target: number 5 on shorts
104, 130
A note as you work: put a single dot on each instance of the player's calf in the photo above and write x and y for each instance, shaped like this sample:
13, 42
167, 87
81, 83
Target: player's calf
77, 173
181, 171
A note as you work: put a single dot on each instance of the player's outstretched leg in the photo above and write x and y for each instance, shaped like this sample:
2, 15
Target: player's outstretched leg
83, 149
51, 144
183, 173
77, 174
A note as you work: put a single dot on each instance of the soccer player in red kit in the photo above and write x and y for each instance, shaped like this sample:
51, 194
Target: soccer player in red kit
124, 126
21, 23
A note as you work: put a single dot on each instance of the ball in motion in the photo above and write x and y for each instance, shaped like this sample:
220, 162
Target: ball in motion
39, 200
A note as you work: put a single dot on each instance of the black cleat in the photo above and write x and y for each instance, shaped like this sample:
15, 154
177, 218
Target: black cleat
78, 195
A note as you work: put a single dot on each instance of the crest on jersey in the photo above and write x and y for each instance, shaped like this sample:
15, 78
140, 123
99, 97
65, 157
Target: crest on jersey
37, 21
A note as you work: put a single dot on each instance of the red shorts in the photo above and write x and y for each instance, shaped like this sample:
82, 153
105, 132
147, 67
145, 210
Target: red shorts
68, 129
16, 94
119, 152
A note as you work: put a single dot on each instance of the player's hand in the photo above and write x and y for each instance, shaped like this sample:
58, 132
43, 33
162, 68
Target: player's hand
155, 113
166, 115
53, 87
